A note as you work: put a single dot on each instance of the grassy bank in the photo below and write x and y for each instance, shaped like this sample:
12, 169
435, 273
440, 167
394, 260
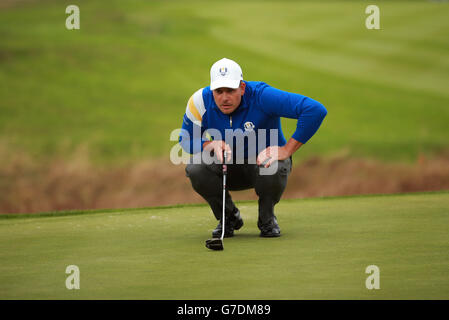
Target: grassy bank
119, 85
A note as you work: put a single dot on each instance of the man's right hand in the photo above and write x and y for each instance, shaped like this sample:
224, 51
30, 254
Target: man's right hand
218, 146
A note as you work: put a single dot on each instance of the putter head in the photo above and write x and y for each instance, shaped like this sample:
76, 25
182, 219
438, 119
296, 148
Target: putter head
214, 244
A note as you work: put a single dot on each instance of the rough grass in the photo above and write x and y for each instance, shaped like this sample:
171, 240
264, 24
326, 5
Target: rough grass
159, 253
27, 187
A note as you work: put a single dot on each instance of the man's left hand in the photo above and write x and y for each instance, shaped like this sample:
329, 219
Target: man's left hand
271, 154
274, 153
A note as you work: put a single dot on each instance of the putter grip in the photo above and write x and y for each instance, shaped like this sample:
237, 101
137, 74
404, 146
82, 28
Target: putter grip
225, 167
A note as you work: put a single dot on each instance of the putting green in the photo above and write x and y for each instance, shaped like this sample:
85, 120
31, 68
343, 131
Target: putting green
159, 253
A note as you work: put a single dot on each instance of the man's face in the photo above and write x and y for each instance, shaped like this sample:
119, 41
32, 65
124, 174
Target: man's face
228, 99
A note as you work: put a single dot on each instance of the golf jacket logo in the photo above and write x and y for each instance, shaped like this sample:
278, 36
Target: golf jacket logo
249, 126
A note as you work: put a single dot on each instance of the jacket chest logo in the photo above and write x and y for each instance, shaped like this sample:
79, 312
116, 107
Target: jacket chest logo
249, 126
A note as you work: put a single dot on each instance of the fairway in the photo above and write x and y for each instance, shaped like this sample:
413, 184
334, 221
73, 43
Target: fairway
121, 82
159, 253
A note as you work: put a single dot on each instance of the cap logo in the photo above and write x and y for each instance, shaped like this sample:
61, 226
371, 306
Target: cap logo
223, 71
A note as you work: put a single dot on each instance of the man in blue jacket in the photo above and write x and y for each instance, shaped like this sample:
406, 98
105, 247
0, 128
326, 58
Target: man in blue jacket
243, 118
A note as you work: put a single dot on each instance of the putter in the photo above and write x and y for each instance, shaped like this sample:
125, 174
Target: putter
217, 243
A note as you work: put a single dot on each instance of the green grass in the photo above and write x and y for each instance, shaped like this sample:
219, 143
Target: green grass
120, 84
159, 253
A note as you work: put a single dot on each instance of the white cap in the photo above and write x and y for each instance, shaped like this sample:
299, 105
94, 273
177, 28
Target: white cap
225, 73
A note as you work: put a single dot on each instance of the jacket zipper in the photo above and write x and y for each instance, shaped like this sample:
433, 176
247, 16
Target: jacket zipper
230, 121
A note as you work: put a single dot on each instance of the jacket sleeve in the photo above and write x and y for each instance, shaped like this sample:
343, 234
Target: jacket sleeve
278, 103
192, 131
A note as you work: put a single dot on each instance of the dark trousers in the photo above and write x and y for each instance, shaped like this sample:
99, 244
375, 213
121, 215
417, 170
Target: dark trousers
207, 181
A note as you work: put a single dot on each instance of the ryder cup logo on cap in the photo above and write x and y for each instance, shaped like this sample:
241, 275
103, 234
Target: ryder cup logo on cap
225, 73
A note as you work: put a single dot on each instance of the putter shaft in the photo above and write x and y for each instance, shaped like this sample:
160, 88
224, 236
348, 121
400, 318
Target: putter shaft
225, 171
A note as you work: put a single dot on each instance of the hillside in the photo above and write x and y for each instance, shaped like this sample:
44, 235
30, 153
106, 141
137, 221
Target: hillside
119, 85
86, 115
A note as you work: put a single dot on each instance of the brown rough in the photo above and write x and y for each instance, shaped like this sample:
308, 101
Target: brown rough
77, 184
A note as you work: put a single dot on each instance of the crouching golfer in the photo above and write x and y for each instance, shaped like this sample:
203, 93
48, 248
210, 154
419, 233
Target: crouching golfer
243, 119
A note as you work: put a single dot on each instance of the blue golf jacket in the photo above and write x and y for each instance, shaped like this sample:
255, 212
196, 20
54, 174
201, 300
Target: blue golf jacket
261, 107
